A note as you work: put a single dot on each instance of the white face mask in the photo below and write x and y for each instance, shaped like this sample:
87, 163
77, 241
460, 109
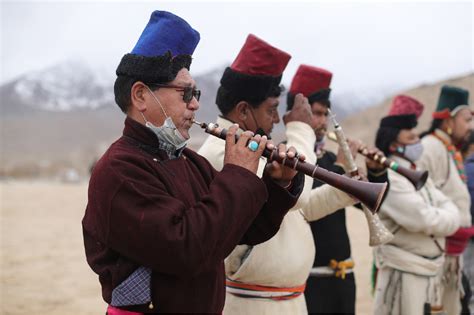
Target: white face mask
167, 132
412, 152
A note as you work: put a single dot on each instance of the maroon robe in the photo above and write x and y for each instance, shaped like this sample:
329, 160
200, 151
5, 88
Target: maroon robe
179, 217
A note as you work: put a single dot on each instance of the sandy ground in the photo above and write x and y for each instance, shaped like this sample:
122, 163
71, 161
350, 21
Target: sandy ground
43, 267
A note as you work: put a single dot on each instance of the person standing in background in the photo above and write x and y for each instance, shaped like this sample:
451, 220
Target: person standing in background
269, 278
408, 265
331, 286
450, 128
468, 255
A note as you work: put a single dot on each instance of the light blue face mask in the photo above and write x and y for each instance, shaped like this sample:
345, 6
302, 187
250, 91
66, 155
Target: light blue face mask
168, 132
412, 152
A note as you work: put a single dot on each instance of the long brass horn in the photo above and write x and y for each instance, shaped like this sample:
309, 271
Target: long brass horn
378, 233
417, 178
370, 194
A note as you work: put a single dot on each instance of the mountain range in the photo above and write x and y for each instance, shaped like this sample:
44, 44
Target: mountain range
64, 117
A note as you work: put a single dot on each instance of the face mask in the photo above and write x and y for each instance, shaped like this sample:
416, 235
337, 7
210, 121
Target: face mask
412, 152
168, 132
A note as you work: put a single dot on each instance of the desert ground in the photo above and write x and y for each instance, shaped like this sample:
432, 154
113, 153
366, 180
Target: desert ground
43, 267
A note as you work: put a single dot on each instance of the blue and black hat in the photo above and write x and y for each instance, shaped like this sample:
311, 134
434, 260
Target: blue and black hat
163, 49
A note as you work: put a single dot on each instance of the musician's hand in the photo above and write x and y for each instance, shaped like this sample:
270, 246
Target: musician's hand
282, 174
238, 153
363, 177
370, 163
354, 145
301, 111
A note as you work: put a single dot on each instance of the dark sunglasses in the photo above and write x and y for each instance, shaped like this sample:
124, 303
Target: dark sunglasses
188, 91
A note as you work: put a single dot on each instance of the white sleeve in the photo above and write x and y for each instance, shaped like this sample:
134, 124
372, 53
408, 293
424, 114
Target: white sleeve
411, 210
325, 200
213, 149
301, 136
434, 160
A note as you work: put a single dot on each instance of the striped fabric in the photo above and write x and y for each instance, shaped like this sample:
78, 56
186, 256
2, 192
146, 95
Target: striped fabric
263, 292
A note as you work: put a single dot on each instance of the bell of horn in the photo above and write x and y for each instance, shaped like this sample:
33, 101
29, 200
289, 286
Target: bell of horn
378, 233
417, 178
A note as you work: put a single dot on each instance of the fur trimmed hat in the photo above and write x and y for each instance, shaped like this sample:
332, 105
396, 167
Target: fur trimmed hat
163, 49
255, 73
312, 82
403, 114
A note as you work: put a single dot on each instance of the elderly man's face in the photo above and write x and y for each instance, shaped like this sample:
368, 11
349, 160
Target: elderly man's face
173, 104
462, 126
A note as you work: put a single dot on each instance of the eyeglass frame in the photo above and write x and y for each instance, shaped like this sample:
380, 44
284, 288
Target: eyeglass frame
186, 89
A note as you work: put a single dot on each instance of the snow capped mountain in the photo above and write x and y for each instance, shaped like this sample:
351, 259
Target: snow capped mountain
74, 85
64, 116
64, 87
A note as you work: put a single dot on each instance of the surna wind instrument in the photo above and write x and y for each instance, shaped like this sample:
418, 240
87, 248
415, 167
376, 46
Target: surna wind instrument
369, 194
378, 233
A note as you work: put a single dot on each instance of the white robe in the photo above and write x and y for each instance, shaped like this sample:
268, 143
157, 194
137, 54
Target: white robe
442, 170
409, 264
286, 259
437, 160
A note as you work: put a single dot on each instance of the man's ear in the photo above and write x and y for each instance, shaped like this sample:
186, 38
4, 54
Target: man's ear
138, 96
242, 109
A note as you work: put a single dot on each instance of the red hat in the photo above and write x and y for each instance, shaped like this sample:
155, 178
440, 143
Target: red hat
403, 114
257, 57
309, 80
405, 105
253, 76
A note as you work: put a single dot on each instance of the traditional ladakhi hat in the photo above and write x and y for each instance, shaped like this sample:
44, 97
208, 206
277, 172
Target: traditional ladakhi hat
451, 100
312, 82
163, 49
403, 114
255, 73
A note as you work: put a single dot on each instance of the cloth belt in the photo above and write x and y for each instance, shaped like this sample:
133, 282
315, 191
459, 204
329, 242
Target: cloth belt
339, 269
263, 292
116, 311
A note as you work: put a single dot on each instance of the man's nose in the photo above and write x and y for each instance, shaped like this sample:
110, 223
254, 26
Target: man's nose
325, 121
193, 105
276, 118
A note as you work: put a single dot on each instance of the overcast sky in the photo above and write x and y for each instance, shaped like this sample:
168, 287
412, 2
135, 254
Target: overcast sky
365, 44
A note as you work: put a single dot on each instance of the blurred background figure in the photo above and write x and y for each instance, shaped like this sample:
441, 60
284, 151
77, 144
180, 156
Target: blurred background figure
449, 130
408, 266
468, 155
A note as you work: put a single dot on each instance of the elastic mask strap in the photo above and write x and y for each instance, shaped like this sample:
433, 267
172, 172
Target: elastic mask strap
143, 117
158, 101
254, 119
